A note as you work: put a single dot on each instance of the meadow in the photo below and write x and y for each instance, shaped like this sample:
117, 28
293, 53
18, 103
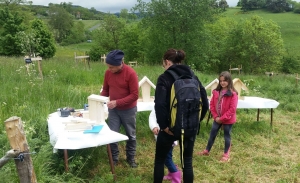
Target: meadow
260, 152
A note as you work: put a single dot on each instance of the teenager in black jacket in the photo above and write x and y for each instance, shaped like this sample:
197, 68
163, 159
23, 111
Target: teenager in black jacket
172, 60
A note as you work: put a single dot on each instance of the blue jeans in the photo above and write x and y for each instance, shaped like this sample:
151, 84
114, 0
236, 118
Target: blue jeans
127, 118
213, 133
164, 144
169, 162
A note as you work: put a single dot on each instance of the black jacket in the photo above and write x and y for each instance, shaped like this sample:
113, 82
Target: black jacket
163, 92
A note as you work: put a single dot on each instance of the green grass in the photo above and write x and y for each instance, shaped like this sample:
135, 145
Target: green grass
289, 23
259, 153
89, 23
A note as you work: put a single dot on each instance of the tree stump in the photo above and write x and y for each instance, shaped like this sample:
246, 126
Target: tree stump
18, 142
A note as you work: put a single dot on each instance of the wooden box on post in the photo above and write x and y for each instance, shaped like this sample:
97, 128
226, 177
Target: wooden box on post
97, 108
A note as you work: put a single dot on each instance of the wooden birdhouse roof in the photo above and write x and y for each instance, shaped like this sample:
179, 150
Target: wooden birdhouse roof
145, 84
212, 85
146, 81
239, 84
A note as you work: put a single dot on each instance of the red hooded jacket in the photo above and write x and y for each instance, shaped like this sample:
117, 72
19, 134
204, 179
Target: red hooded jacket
228, 106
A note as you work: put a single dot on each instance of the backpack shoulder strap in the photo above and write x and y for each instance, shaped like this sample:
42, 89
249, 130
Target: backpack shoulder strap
174, 74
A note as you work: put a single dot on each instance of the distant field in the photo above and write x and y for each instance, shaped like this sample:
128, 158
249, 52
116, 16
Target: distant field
289, 23
68, 51
89, 23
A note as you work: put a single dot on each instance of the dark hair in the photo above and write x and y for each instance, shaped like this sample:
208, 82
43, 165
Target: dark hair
176, 56
227, 77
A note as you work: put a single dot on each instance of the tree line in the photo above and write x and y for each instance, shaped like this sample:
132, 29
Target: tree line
211, 41
275, 6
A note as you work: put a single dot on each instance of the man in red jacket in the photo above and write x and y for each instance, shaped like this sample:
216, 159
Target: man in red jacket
121, 85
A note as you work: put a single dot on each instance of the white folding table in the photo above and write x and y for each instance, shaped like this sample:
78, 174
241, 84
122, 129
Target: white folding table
255, 103
62, 139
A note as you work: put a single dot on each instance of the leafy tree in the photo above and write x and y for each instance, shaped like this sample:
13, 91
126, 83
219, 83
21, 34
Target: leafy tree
108, 36
257, 45
277, 6
28, 42
113, 28
124, 14
10, 2
61, 22
223, 4
46, 47
37, 41
83, 13
77, 34
11, 24
247, 5
217, 54
174, 23
130, 42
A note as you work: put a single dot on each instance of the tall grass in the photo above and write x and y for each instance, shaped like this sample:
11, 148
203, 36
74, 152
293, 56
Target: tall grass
260, 153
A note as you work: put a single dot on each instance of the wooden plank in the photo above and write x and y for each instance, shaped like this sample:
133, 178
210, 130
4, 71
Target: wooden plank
235, 69
36, 58
84, 58
80, 57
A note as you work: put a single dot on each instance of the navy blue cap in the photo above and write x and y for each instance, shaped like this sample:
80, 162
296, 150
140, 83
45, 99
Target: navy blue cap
115, 57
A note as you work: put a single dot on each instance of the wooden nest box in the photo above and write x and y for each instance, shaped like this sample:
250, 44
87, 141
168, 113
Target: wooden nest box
211, 86
145, 84
97, 108
239, 86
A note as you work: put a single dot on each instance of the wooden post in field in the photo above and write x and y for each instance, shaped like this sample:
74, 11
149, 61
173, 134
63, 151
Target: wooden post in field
239, 69
84, 58
18, 142
28, 61
297, 78
103, 58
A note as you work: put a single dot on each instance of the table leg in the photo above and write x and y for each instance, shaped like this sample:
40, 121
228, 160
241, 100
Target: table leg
257, 118
271, 116
112, 168
66, 160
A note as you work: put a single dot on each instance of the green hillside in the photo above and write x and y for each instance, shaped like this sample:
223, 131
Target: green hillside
289, 23
89, 23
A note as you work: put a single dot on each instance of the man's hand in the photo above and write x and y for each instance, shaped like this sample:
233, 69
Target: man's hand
112, 104
155, 130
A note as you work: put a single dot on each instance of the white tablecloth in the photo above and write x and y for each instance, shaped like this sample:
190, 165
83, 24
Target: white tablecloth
62, 139
145, 106
257, 103
247, 102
